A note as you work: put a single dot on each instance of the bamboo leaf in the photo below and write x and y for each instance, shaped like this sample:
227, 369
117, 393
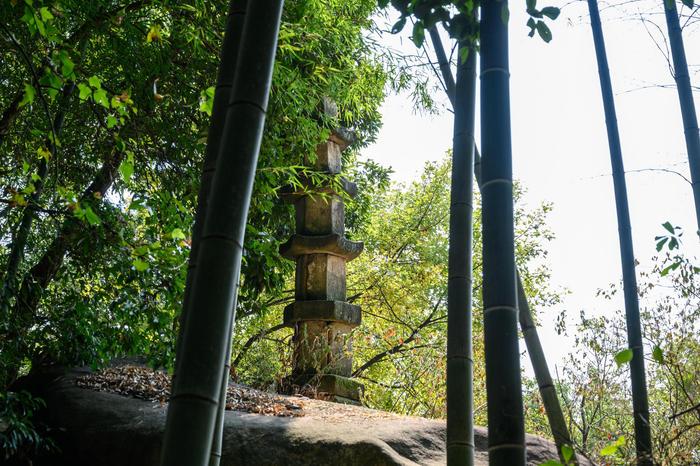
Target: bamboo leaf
567, 452
551, 12
624, 356
418, 36
398, 26
661, 240
505, 13
543, 31
533, 26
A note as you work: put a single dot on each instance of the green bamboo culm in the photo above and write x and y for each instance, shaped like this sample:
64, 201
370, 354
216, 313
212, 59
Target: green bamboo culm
194, 404
545, 384
229, 54
460, 384
685, 96
640, 402
550, 400
506, 434
443, 63
222, 93
224, 83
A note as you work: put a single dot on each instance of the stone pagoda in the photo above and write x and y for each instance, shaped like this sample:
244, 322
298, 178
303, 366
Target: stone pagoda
321, 318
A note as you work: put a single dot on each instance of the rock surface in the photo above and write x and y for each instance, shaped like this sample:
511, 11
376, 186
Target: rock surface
107, 429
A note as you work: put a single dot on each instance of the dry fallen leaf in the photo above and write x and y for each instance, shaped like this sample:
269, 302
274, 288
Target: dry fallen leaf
147, 384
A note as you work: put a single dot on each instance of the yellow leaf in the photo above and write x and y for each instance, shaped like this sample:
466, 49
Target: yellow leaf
153, 34
44, 153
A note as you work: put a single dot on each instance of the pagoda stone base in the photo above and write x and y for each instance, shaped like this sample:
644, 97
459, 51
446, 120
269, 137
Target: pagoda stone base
329, 386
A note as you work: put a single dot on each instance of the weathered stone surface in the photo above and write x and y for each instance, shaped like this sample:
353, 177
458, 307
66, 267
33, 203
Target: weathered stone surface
322, 347
96, 428
335, 244
343, 137
329, 157
320, 277
322, 342
329, 108
341, 386
320, 215
329, 311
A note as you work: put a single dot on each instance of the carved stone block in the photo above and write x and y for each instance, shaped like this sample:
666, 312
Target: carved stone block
320, 215
329, 157
320, 277
322, 347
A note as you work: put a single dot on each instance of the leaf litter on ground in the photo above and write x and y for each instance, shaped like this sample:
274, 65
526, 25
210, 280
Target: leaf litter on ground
152, 385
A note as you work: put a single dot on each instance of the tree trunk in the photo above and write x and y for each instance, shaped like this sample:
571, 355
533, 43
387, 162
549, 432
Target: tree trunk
503, 385
206, 335
460, 383
41, 274
9, 115
19, 241
640, 401
35, 281
685, 96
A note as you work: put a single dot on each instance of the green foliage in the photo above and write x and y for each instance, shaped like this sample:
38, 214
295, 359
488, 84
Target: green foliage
103, 264
400, 281
21, 437
458, 18
594, 383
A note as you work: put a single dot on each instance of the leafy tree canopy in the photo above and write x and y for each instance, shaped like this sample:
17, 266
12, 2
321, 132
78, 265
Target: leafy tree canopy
104, 116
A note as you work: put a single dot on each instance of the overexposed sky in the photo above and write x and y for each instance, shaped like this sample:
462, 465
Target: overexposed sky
560, 147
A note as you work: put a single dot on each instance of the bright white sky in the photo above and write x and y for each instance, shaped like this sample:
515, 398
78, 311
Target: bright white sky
560, 146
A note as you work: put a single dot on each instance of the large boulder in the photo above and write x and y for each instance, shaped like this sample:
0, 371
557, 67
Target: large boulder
108, 429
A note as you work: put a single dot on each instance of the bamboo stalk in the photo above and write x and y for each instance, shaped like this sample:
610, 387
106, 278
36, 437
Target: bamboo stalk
640, 403
460, 362
194, 405
229, 54
550, 400
506, 433
545, 384
222, 93
444, 64
685, 97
